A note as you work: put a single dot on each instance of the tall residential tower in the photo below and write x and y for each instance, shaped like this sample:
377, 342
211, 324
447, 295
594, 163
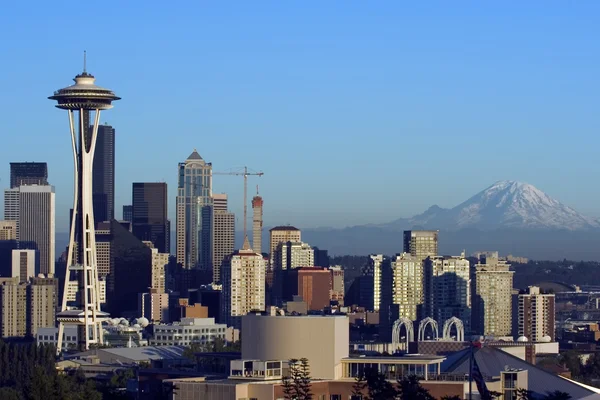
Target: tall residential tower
257, 223
223, 234
103, 187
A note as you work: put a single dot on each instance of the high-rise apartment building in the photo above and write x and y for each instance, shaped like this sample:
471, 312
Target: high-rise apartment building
536, 315
150, 209
103, 249
194, 213
24, 264
257, 223
370, 283
312, 284
243, 276
407, 290
421, 244
11, 207
337, 290
223, 234
41, 304
159, 262
37, 222
28, 173
448, 289
8, 230
290, 255
128, 213
103, 174
282, 234
492, 297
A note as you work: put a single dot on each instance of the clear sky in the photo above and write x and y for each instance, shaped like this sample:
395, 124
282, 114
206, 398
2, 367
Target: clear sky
356, 111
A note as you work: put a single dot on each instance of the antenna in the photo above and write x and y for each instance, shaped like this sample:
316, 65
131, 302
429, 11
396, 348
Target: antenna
84, 61
257, 190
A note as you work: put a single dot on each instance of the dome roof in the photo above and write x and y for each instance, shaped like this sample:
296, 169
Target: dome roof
522, 339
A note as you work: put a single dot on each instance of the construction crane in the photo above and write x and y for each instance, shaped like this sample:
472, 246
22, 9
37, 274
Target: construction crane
245, 174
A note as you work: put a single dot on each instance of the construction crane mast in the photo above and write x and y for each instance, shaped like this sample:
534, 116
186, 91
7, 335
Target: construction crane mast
245, 174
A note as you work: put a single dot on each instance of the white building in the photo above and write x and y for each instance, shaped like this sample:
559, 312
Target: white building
448, 289
536, 315
8, 230
188, 331
243, 278
290, 255
407, 290
154, 306
159, 261
72, 291
23, 264
375, 261
282, 234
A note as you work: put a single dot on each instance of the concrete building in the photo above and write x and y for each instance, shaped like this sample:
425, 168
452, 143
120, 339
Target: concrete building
243, 285
128, 213
370, 283
408, 290
337, 290
282, 234
257, 223
491, 302
41, 304
11, 207
188, 331
159, 262
323, 340
154, 306
37, 222
536, 315
312, 284
8, 230
103, 249
103, 174
448, 289
421, 244
194, 213
72, 291
223, 234
150, 208
290, 255
28, 173
24, 263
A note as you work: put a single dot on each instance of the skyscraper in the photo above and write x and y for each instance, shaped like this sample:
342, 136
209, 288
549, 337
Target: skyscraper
23, 264
421, 244
243, 285
257, 223
150, 214
128, 213
281, 234
223, 234
11, 207
492, 297
408, 291
194, 213
8, 230
290, 255
13, 308
36, 222
536, 315
103, 176
28, 173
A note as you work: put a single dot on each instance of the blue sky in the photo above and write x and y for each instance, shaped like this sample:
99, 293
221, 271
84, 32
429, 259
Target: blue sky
357, 111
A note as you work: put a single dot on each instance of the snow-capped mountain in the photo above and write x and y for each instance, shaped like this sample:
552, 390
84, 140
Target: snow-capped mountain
505, 204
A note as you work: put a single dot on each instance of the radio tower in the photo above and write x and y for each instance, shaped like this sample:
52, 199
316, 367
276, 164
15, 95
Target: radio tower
83, 100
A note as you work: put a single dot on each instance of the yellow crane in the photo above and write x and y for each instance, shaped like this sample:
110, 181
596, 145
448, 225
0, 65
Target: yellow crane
245, 174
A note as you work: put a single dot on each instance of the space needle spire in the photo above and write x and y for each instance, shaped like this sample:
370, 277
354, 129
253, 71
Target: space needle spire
83, 102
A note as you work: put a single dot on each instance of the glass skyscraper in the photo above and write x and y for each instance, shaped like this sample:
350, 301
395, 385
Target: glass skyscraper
195, 213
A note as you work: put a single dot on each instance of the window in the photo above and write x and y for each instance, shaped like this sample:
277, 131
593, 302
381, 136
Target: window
335, 397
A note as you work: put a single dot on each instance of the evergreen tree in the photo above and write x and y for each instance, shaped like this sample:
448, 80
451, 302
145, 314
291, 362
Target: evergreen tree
557, 395
288, 381
378, 385
524, 394
304, 390
360, 384
409, 388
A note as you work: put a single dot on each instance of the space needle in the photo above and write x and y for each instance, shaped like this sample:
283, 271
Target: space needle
83, 102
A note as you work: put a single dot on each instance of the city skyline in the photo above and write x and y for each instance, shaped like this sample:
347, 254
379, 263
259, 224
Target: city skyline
391, 77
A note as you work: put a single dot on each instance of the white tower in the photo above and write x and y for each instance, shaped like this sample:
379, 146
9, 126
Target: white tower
83, 100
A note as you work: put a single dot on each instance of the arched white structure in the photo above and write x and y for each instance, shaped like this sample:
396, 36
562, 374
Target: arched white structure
460, 329
423, 325
410, 334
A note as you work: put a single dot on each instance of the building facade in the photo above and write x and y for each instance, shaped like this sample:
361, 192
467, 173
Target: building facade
28, 173
128, 213
421, 244
188, 331
257, 223
337, 290
408, 289
194, 213
154, 306
243, 285
8, 230
282, 234
312, 284
492, 297
536, 315
150, 208
24, 263
290, 255
159, 263
223, 234
103, 174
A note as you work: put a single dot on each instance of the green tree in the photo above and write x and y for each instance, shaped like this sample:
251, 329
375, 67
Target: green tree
359, 386
570, 359
296, 384
7, 393
288, 381
379, 387
304, 389
409, 388
524, 394
557, 395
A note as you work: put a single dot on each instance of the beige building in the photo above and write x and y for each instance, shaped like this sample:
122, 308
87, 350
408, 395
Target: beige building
8, 230
448, 289
243, 284
323, 340
374, 272
23, 264
257, 223
536, 315
72, 291
159, 261
223, 233
336, 293
154, 306
408, 289
290, 255
421, 244
41, 303
282, 234
492, 297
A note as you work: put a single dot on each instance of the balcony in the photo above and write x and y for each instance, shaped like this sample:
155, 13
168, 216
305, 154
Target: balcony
256, 369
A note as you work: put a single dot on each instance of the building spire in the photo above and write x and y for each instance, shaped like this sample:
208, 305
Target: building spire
84, 62
246, 245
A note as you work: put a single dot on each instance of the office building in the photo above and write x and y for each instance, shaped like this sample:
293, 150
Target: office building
536, 315
370, 283
492, 297
24, 263
103, 174
42, 301
154, 306
257, 223
128, 213
188, 331
11, 208
36, 222
312, 284
6, 255
223, 234
8, 230
194, 213
336, 293
421, 244
408, 291
282, 234
103, 249
243, 276
448, 289
28, 173
150, 214
72, 291
321, 257
290, 255
159, 263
